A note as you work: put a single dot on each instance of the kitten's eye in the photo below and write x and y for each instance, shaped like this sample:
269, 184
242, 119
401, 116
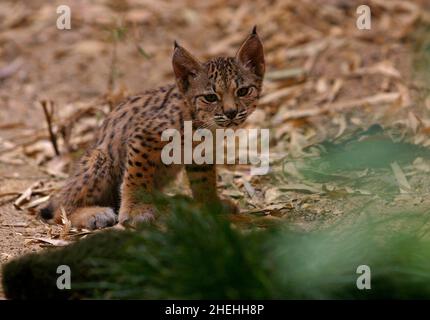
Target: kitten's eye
210, 97
242, 91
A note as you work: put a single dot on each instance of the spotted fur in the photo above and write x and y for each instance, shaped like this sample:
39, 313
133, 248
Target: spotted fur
125, 158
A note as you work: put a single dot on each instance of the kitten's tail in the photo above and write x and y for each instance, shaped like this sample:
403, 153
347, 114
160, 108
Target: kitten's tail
51, 212
47, 212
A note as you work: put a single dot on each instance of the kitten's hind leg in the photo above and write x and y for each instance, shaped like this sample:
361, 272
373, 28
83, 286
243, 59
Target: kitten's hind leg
84, 218
88, 196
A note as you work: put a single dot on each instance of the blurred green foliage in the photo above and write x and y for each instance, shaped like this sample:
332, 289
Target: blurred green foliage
199, 255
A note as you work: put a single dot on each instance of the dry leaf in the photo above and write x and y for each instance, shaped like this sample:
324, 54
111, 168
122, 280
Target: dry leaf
403, 183
53, 242
67, 224
36, 202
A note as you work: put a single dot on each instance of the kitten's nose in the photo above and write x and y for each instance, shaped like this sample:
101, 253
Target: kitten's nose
230, 113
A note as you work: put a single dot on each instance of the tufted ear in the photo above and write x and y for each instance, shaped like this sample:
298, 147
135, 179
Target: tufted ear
184, 67
251, 54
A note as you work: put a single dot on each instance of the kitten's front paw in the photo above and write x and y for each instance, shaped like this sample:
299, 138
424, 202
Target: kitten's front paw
138, 215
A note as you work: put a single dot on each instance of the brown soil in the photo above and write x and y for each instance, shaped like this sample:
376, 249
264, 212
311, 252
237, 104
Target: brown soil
73, 68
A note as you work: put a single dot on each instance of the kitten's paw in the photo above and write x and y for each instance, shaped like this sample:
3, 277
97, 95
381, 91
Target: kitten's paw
103, 219
93, 218
139, 215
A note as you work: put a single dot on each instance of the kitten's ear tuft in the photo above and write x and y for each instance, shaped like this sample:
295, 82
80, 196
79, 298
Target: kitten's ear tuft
251, 54
175, 44
185, 65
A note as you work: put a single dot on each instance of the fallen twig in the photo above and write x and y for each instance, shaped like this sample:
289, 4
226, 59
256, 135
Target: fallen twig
298, 74
48, 109
341, 105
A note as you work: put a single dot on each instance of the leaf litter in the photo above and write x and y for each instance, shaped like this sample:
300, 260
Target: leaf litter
348, 111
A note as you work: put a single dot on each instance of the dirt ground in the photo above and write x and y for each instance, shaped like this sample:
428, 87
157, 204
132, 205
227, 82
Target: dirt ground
325, 79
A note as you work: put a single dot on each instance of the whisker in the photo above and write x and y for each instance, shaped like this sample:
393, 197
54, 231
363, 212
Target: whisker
207, 125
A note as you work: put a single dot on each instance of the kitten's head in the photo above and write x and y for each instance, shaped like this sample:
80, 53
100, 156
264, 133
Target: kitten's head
222, 92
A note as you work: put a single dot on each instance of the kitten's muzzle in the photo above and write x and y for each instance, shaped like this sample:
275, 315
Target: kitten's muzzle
223, 120
230, 113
